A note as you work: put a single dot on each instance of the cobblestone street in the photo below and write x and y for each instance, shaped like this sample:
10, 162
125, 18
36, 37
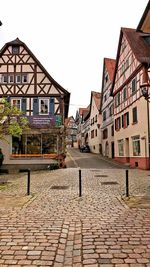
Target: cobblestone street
55, 227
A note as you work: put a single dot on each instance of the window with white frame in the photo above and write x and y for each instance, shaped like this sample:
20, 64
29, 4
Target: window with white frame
18, 78
16, 102
133, 86
136, 145
121, 147
44, 106
24, 78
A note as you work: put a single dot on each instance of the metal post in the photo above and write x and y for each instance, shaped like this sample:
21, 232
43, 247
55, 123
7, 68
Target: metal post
127, 184
80, 184
28, 183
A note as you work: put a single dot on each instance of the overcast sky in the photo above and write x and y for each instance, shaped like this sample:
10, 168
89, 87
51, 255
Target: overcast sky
70, 37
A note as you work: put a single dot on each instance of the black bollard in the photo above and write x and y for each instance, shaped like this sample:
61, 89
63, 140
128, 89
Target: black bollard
28, 183
127, 183
80, 184
28, 179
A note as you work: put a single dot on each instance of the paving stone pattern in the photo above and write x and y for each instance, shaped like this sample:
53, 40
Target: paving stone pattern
56, 227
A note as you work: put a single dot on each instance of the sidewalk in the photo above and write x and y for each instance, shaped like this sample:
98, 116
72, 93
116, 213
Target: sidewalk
55, 227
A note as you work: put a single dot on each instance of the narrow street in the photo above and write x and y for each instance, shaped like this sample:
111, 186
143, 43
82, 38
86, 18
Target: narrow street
90, 160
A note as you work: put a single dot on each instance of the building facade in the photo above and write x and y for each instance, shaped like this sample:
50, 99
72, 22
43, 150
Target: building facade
28, 86
107, 109
130, 108
95, 123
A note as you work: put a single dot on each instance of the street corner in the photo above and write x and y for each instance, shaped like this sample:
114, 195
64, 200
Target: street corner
140, 202
15, 201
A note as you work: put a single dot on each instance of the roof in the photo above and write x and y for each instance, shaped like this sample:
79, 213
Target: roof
110, 66
96, 96
144, 24
138, 45
18, 42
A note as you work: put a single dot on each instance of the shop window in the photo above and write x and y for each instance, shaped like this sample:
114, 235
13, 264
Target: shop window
49, 144
121, 147
136, 145
34, 144
43, 106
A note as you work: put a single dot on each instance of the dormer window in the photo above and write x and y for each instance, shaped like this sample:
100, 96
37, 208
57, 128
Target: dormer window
15, 50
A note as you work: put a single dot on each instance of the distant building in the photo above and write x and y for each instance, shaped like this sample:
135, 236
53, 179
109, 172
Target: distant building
71, 131
95, 123
107, 109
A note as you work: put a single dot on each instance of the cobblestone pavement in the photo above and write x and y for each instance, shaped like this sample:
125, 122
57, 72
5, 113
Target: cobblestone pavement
55, 227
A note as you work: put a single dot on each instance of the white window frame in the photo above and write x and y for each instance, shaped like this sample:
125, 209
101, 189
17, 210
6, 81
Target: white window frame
17, 106
121, 148
18, 75
44, 99
135, 143
23, 76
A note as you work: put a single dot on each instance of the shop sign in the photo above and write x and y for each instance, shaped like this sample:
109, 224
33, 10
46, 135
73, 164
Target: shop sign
42, 121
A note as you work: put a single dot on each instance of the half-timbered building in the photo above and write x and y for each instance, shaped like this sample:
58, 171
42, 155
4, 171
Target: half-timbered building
107, 108
130, 108
28, 86
95, 123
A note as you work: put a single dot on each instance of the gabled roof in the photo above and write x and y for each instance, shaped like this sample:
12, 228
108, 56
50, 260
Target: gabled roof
109, 64
138, 45
18, 42
144, 24
97, 98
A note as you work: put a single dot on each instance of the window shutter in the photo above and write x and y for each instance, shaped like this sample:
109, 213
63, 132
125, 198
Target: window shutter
52, 105
24, 104
127, 118
122, 121
35, 106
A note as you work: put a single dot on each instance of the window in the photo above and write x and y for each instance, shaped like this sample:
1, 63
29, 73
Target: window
125, 93
104, 115
117, 124
18, 78
136, 145
117, 99
121, 147
134, 114
112, 130
15, 50
96, 132
5, 78
111, 110
24, 78
92, 134
16, 103
11, 79
105, 134
44, 104
95, 118
125, 120
133, 86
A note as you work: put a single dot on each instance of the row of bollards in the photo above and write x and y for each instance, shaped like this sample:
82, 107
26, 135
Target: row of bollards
127, 183
80, 182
